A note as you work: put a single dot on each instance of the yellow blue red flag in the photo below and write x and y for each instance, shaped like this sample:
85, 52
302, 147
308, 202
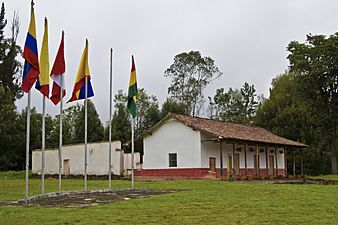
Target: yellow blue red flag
83, 72
30, 54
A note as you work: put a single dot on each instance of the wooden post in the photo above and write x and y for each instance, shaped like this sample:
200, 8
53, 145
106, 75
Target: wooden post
245, 160
221, 157
257, 161
294, 162
276, 156
233, 159
267, 160
301, 163
285, 162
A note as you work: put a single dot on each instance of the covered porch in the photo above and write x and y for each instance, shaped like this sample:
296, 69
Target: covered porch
251, 160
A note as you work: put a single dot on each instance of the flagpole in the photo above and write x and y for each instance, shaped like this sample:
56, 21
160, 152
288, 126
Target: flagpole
85, 164
27, 140
132, 152
110, 111
43, 143
60, 134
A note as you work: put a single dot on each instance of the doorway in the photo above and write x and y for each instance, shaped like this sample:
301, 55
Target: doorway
66, 167
212, 164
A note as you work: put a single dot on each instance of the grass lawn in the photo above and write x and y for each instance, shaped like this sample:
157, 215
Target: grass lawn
201, 202
326, 177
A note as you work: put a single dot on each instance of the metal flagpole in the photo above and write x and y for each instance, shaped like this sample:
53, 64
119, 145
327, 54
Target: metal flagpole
27, 140
85, 163
132, 152
60, 135
110, 111
43, 143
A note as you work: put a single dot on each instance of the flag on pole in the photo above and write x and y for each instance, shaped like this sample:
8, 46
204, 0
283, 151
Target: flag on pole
82, 73
132, 92
30, 54
57, 73
42, 83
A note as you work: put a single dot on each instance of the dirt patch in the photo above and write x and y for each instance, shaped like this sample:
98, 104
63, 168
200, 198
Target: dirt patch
85, 199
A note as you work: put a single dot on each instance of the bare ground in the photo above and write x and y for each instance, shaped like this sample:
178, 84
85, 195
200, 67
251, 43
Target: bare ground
85, 198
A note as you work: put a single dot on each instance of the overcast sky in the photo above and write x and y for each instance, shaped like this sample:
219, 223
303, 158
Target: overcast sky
247, 39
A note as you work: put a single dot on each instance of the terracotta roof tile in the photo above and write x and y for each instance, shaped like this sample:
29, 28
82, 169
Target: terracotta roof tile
236, 132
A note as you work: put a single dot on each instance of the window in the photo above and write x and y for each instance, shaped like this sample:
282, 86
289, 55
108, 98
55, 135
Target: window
172, 159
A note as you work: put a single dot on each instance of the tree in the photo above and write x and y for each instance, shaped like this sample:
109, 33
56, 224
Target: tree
11, 137
148, 113
286, 114
120, 121
171, 106
10, 68
69, 119
315, 64
190, 73
237, 106
95, 127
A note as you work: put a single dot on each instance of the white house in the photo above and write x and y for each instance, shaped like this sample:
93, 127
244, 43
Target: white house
73, 159
193, 147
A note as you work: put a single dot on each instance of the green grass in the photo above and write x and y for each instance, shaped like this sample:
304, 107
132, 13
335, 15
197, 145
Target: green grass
201, 202
326, 177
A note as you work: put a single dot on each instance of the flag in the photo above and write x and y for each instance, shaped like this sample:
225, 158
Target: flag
30, 54
132, 92
58, 70
82, 73
42, 83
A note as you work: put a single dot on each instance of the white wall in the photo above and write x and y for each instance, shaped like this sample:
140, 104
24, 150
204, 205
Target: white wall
172, 137
127, 162
98, 156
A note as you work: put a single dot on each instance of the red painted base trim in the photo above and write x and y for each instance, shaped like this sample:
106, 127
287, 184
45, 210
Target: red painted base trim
195, 173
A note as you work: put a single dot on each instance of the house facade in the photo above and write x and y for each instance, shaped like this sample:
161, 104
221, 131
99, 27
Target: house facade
192, 147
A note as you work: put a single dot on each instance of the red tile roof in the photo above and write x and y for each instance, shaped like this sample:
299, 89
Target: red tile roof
232, 131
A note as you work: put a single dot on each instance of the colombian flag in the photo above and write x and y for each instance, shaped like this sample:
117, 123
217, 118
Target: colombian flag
42, 84
132, 92
82, 73
30, 54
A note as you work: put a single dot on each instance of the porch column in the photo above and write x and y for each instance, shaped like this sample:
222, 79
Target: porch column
276, 155
245, 161
257, 161
301, 163
233, 159
285, 163
294, 162
221, 157
266, 160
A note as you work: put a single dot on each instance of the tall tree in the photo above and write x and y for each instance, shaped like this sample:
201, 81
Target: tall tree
190, 73
236, 105
10, 132
315, 64
147, 115
95, 127
171, 106
10, 67
286, 114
